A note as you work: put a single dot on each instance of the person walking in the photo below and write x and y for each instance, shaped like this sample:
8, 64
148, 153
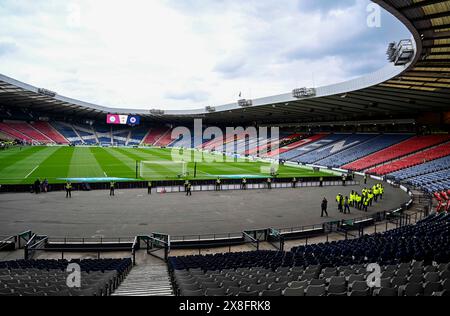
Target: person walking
365, 179
321, 182
324, 208
294, 183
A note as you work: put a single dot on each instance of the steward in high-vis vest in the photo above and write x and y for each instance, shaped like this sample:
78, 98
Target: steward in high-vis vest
370, 196
244, 184
149, 187
218, 184
352, 199
366, 205
376, 193
68, 188
189, 189
358, 201
339, 200
112, 188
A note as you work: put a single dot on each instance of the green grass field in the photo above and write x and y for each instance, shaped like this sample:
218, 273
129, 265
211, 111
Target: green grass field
25, 165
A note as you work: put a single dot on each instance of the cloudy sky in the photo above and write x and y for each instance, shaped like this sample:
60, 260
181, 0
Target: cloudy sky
181, 54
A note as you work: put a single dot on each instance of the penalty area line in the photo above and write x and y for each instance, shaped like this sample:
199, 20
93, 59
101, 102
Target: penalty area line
31, 172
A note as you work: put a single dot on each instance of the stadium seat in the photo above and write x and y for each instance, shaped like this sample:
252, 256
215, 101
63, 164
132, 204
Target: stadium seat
414, 160
402, 149
364, 149
319, 290
338, 143
294, 291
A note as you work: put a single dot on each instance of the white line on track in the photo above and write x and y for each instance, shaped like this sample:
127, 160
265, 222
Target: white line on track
26, 177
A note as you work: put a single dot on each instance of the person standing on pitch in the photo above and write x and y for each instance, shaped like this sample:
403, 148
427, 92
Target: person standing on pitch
218, 184
324, 207
149, 187
68, 188
112, 188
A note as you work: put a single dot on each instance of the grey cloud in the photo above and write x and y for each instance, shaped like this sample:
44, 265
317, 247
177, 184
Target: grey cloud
231, 67
193, 96
7, 48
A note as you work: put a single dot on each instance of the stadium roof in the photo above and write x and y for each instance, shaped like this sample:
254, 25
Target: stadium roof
421, 86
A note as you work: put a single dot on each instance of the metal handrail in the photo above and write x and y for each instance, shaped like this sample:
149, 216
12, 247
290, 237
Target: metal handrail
33, 245
253, 240
7, 241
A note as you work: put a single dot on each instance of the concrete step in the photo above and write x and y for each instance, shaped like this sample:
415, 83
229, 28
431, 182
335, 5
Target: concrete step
146, 280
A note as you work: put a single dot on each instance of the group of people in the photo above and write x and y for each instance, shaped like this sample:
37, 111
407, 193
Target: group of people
68, 187
40, 186
7, 144
361, 201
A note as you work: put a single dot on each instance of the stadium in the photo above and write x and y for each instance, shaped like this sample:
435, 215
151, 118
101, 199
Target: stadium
226, 200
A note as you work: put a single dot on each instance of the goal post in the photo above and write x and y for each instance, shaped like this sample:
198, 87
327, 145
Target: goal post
163, 170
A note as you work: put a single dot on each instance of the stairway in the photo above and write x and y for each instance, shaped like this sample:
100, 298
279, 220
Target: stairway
146, 280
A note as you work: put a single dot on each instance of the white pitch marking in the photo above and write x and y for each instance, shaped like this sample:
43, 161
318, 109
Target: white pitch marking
104, 172
26, 177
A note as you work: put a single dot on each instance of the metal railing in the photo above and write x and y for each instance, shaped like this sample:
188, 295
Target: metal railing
152, 246
7, 241
34, 244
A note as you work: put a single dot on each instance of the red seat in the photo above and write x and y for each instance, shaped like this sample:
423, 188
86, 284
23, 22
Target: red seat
157, 137
48, 130
407, 147
299, 144
414, 160
30, 131
266, 147
7, 129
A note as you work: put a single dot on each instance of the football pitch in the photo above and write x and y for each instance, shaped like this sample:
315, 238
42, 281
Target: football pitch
98, 164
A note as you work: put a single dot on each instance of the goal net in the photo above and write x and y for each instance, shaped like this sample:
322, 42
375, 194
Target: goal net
163, 170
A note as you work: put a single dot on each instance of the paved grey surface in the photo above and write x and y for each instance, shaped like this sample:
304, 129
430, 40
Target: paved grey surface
133, 212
